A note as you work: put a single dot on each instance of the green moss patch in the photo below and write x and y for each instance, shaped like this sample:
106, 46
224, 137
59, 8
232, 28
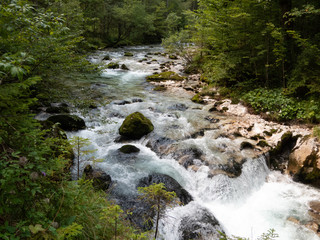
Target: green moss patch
113, 65
262, 143
128, 54
160, 88
127, 149
135, 126
197, 99
164, 76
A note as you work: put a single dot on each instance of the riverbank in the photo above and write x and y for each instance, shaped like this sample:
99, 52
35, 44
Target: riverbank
290, 148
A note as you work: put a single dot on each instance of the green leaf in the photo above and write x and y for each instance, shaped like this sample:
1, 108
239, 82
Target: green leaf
37, 228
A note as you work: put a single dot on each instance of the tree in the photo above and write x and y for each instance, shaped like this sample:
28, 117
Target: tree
159, 198
82, 152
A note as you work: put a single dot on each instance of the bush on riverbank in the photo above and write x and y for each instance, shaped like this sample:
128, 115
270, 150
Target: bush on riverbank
281, 107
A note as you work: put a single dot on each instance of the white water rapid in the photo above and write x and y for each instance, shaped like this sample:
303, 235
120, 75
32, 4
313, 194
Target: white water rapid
246, 206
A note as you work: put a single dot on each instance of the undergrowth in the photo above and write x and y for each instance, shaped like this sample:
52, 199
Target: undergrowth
281, 107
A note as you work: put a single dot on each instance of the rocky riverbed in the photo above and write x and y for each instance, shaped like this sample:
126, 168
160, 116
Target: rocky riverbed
214, 152
290, 148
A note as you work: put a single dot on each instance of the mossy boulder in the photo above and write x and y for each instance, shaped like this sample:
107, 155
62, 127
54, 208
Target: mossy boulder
127, 149
128, 54
68, 122
113, 65
164, 76
107, 57
124, 67
173, 57
135, 126
160, 88
197, 99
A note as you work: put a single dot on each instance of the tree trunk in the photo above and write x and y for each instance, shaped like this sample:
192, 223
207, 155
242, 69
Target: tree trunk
267, 63
78, 157
286, 6
158, 217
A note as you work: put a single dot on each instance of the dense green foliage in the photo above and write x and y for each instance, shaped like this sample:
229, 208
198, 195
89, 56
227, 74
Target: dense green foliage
247, 44
122, 22
38, 43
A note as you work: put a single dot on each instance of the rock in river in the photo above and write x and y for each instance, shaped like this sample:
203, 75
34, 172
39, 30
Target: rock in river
170, 184
199, 223
68, 122
100, 179
135, 126
127, 149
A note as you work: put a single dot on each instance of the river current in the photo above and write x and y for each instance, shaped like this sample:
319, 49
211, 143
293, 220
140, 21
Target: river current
246, 206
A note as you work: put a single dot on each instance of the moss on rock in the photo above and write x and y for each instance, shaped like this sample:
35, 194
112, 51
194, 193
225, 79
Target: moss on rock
135, 126
107, 57
173, 57
124, 67
129, 149
197, 99
68, 122
128, 54
262, 143
160, 88
164, 76
113, 65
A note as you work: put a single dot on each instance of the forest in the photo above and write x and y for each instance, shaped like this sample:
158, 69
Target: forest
263, 53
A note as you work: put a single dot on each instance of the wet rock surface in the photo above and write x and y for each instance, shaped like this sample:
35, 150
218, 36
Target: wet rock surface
128, 149
178, 106
199, 224
101, 180
142, 213
68, 122
169, 183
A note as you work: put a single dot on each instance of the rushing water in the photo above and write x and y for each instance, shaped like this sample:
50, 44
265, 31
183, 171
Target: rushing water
245, 206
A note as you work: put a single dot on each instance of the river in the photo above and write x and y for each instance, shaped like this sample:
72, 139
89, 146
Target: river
246, 206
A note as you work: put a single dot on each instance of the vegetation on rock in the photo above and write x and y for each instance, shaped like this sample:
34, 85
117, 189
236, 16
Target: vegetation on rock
129, 149
68, 122
197, 99
113, 65
164, 76
135, 126
160, 88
